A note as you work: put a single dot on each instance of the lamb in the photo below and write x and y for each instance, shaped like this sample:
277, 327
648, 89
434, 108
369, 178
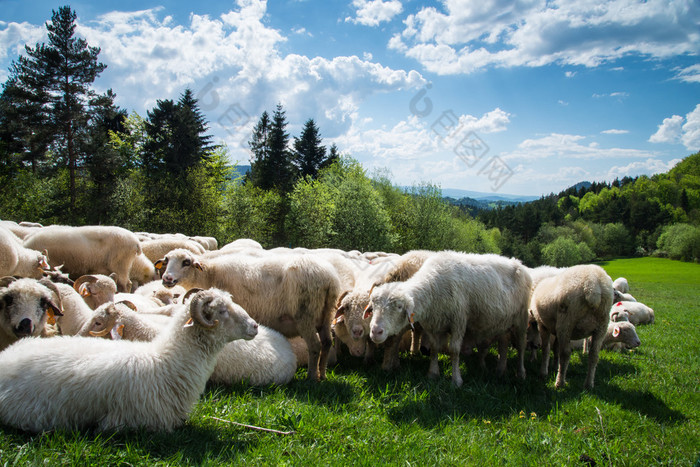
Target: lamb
26, 306
573, 305
621, 285
16, 260
638, 313
112, 385
293, 294
463, 295
89, 250
76, 312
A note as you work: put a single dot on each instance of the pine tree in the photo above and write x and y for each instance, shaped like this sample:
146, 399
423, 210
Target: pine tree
271, 167
309, 155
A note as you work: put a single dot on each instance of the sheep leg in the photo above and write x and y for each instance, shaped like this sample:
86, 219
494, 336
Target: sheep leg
435, 346
563, 348
416, 335
313, 343
546, 345
483, 350
521, 347
326, 340
370, 348
503, 342
594, 352
455, 347
391, 353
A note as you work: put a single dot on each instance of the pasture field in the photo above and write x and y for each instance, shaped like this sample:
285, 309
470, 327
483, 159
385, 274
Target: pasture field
644, 410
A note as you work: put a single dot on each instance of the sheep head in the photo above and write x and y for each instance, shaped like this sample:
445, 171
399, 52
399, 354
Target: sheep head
391, 310
26, 305
214, 312
179, 266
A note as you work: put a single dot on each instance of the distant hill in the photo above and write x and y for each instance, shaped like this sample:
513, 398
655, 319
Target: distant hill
579, 185
486, 197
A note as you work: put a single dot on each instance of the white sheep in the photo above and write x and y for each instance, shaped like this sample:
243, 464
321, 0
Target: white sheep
619, 336
20, 231
77, 382
122, 321
621, 285
89, 250
16, 260
638, 313
352, 328
456, 294
293, 294
574, 304
76, 312
26, 306
157, 248
622, 297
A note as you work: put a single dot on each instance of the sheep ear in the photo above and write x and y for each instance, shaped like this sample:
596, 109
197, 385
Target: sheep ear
117, 332
340, 313
198, 265
338, 320
159, 264
368, 311
340, 299
616, 331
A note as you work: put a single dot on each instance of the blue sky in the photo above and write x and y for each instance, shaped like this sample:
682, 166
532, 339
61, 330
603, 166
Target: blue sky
523, 97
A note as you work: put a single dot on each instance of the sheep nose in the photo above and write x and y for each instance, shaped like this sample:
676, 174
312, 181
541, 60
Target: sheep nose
357, 332
24, 328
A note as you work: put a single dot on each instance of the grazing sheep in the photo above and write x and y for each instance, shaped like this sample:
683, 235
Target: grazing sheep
16, 260
89, 250
456, 294
77, 382
619, 336
293, 294
621, 285
574, 304
638, 313
142, 272
26, 306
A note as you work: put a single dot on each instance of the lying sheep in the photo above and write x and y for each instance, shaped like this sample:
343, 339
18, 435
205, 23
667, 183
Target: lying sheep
638, 313
98, 289
456, 294
89, 250
122, 321
622, 297
621, 285
76, 312
26, 306
293, 294
77, 383
16, 260
574, 304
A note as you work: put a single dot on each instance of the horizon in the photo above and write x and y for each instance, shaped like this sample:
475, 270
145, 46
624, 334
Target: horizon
523, 100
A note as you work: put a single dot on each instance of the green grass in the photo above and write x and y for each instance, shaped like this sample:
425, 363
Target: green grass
644, 410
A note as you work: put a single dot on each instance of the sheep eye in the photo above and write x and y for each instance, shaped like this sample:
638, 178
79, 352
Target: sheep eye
186, 262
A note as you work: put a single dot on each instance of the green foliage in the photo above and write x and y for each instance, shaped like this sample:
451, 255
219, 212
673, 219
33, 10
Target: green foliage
680, 241
251, 212
565, 252
311, 212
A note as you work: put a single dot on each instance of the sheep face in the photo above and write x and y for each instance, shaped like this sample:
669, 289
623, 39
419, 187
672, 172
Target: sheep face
349, 324
96, 289
623, 333
179, 267
214, 309
391, 310
25, 307
618, 314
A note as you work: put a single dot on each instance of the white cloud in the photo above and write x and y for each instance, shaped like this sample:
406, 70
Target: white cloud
563, 147
614, 131
689, 74
677, 129
13, 37
643, 167
463, 36
374, 12
570, 74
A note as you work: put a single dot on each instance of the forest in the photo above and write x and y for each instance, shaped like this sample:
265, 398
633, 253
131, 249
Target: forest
69, 155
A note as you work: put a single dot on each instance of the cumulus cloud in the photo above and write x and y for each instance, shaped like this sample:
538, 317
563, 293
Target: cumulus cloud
649, 166
374, 12
677, 129
14, 36
463, 36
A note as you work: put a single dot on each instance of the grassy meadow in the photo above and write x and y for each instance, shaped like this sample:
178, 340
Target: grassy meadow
644, 410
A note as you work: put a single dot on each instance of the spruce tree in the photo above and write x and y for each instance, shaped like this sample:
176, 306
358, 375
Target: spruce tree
309, 154
271, 167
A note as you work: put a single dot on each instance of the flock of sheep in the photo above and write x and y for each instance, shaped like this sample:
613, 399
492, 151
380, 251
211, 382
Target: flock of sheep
126, 328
